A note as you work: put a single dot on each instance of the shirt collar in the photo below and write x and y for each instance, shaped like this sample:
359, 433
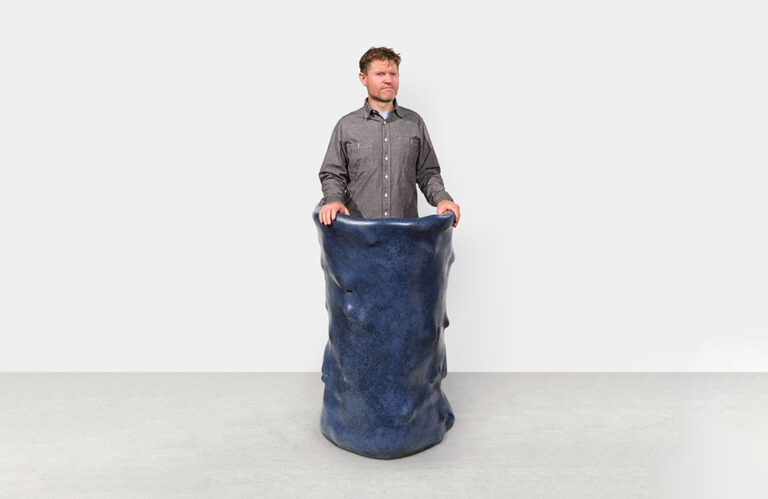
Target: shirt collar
367, 109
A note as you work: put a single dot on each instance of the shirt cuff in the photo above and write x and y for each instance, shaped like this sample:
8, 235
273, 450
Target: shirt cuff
441, 196
330, 198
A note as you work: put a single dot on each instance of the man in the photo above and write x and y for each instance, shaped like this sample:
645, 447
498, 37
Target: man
378, 153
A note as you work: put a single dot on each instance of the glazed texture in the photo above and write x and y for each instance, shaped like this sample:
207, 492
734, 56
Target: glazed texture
386, 283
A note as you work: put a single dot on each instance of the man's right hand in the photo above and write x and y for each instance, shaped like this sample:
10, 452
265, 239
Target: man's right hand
328, 212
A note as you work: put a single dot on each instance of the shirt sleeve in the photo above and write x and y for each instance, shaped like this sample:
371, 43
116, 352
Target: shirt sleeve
428, 170
334, 175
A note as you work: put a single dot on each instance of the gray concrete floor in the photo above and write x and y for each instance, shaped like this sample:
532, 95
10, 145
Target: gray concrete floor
220, 435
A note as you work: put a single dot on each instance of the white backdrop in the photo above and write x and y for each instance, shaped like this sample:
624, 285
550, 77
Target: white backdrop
159, 168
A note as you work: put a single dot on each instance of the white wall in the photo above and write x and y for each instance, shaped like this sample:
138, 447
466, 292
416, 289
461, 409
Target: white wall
159, 167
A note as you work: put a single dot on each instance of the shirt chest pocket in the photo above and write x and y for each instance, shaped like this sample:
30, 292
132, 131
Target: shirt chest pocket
360, 156
407, 154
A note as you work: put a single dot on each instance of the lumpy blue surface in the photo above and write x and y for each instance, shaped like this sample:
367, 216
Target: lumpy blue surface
386, 283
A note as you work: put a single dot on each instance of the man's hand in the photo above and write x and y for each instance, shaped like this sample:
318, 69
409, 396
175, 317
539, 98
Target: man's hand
447, 205
328, 212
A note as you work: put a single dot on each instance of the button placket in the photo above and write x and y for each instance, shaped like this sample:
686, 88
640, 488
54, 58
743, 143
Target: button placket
386, 182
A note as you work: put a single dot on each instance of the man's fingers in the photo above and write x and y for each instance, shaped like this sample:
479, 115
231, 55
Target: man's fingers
329, 211
453, 208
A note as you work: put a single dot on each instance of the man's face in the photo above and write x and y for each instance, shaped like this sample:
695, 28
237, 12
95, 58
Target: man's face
382, 80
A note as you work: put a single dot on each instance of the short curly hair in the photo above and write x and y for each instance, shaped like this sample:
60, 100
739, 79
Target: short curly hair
376, 53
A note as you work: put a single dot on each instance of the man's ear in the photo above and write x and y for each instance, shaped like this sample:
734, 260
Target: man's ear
362, 79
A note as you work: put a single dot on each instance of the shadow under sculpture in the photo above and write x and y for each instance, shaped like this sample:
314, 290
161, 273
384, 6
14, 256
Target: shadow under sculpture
386, 283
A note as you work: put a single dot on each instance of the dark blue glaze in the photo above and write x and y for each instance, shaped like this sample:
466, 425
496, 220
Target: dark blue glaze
386, 280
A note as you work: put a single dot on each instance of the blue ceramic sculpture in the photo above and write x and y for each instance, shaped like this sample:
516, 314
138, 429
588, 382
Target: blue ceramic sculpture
386, 280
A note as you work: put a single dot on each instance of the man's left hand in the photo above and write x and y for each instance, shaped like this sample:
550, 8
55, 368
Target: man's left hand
447, 205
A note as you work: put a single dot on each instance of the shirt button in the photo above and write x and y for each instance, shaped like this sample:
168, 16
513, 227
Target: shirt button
385, 213
386, 176
385, 139
386, 157
385, 194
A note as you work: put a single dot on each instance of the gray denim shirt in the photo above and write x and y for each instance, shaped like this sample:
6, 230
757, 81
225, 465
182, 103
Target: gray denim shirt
374, 164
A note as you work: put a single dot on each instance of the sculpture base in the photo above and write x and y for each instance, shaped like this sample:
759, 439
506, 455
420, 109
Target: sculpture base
387, 439
377, 456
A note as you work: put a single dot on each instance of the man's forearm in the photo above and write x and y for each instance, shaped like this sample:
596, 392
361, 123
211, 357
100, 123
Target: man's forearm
333, 187
428, 171
431, 184
333, 173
